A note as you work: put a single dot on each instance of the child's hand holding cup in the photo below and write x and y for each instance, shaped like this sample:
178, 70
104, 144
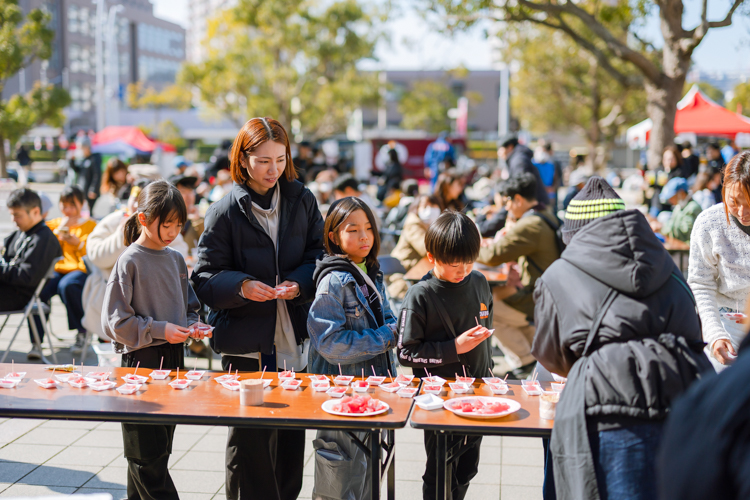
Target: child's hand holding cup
471, 338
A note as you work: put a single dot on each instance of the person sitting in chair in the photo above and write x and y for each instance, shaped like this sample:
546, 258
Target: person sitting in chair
27, 253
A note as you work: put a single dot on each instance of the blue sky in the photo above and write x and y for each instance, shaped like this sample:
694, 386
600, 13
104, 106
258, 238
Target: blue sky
416, 46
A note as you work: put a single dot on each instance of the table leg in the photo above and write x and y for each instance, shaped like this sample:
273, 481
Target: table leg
443, 484
392, 466
375, 470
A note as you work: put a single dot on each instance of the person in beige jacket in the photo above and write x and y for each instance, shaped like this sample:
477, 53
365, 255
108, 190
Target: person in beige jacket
410, 248
105, 244
530, 241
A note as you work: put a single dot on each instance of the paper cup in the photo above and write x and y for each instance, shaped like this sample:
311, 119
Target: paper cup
548, 405
251, 392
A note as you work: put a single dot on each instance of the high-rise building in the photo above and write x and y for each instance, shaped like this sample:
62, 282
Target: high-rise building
149, 50
199, 13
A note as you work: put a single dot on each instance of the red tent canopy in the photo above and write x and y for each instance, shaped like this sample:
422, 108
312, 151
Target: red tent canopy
696, 114
699, 115
132, 136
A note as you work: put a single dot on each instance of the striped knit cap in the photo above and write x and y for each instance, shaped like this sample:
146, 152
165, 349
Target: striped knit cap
597, 199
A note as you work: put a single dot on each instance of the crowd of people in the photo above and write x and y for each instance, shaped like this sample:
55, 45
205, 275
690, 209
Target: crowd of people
292, 245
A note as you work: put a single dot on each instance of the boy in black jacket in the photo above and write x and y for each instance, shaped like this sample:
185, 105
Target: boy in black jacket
27, 253
443, 328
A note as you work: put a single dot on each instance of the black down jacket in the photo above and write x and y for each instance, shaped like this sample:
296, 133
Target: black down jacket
632, 372
234, 247
519, 161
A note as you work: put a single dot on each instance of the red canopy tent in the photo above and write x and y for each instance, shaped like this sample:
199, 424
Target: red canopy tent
132, 136
696, 114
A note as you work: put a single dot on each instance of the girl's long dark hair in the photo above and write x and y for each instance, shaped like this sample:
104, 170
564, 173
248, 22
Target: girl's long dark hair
160, 201
339, 211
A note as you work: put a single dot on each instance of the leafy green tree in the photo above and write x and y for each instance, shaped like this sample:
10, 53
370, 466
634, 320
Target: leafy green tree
740, 102
263, 56
559, 86
23, 41
425, 105
612, 32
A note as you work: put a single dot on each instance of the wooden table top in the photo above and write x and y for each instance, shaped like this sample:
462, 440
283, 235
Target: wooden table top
524, 422
494, 277
204, 402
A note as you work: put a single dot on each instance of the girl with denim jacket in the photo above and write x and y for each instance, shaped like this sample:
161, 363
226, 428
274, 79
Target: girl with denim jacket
350, 322
351, 325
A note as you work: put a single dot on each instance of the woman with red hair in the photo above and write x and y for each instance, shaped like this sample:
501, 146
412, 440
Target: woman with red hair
255, 271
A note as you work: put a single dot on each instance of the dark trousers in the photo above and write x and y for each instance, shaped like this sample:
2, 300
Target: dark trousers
70, 289
462, 470
262, 464
625, 461
147, 446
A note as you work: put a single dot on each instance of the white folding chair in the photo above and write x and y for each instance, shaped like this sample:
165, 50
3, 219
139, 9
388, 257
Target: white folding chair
34, 307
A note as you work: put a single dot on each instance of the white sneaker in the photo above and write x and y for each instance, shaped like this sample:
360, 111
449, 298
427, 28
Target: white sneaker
34, 354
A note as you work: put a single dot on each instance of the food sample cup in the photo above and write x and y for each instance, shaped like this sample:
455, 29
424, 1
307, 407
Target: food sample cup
548, 405
251, 392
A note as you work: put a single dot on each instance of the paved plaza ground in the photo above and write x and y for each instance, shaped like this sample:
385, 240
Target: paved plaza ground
40, 457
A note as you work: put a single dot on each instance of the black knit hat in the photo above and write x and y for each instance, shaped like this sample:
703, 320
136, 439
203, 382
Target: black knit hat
595, 200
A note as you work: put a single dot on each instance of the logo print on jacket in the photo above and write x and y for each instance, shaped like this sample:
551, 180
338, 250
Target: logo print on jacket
483, 312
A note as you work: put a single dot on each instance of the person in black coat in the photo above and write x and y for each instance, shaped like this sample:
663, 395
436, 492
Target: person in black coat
88, 170
615, 316
518, 158
256, 259
27, 253
704, 450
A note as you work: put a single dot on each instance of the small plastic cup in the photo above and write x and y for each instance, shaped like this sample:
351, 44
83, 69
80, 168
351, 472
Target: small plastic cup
375, 381
180, 383
432, 389
232, 385
337, 392
548, 405
103, 385
47, 383
8, 383
404, 380
465, 380
195, 374
160, 374
407, 392
291, 385
343, 380
15, 376
557, 387
498, 389
134, 379
360, 385
434, 380
321, 385
460, 387
128, 389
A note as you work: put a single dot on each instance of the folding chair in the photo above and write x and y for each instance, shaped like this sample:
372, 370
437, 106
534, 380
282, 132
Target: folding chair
390, 265
38, 308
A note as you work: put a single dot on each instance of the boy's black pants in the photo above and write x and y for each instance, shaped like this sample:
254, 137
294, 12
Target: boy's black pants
148, 446
462, 471
262, 464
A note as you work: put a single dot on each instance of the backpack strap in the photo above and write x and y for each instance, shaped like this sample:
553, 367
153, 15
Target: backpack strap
611, 296
447, 324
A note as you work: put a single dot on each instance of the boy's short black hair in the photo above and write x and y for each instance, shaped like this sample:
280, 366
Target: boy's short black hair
523, 184
24, 198
453, 238
345, 181
71, 193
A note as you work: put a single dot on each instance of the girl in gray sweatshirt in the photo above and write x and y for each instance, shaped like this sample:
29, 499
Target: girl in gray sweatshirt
149, 310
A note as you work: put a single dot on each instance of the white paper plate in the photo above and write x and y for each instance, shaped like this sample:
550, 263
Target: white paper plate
330, 403
514, 407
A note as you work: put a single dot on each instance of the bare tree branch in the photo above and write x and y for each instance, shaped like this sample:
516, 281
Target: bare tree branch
602, 58
650, 70
728, 18
700, 31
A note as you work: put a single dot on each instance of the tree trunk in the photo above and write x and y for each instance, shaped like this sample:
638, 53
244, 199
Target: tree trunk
662, 107
3, 159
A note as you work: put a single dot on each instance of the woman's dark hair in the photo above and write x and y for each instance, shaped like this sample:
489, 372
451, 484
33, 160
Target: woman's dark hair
158, 201
70, 194
431, 199
701, 181
442, 185
337, 214
254, 133
523, 184
109, 185
675, 152
393, 156
737, 171
453, 239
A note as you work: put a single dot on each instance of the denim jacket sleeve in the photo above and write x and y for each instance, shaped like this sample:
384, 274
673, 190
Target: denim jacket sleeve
330, 334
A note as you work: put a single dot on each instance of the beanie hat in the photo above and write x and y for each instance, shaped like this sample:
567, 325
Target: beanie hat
597, 199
